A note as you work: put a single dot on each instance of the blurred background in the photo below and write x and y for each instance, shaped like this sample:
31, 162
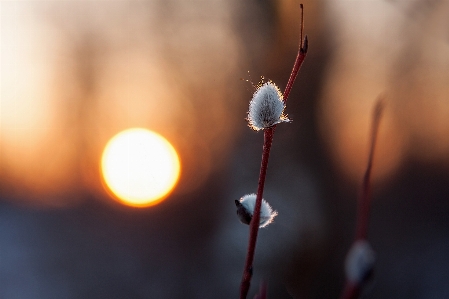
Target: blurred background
76, 73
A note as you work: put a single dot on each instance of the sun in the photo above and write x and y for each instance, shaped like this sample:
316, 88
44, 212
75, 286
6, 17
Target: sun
140, 167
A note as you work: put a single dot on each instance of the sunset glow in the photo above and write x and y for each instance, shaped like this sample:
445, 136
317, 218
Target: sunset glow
140, 167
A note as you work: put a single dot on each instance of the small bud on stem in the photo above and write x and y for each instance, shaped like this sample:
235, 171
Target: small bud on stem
245, 210
359, 262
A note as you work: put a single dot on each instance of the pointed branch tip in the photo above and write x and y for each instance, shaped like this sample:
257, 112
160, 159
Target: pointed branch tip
379, 106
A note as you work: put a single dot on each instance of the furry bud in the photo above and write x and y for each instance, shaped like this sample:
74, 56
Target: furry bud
359, 262
245, 210
266, 108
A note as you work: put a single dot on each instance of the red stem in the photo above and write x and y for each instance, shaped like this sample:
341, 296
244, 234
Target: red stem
254, 225
268, 140
365, 198
352, 290
262, 291
302, 51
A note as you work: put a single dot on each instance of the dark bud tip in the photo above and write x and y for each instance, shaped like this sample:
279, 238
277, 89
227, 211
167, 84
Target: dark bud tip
302, 6
244, 216
368, 275
305, 45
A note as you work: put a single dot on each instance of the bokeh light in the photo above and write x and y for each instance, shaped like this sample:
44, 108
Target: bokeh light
140, 167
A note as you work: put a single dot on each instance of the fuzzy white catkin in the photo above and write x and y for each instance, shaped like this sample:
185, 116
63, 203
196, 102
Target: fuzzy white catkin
266, 108
267, 213
359, 261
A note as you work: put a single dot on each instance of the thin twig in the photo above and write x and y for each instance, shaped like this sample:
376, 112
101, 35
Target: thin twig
268, 140
365, 199
351, 289
254, 225
302, 51
298, 62
262, 291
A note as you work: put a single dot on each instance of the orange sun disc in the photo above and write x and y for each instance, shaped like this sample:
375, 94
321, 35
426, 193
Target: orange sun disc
140, 167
